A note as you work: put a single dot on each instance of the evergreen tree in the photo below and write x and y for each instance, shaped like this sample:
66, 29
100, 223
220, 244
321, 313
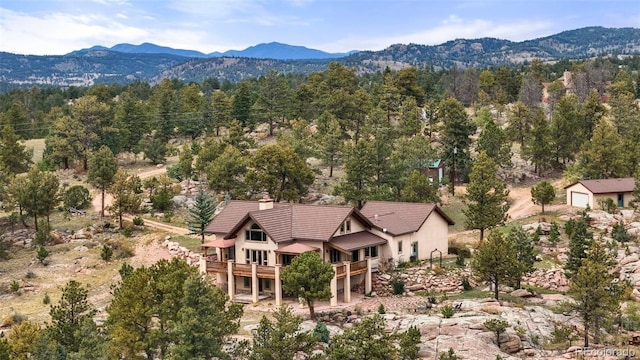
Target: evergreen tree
14, 157
226, 173
418, 188
567, 133
486, 196
242, 104
367, 340
278, 170
496, 261
357, 185
308, 277
221, 112
493, 140
272, 99
456, 132
185, 164
537, 146
154, 148
102, 168
281, 339
69, 315
554, 234
164, 105
603, 156
580, 240
126, 191
619, 233
201, 213
190, 118
597, 296
330, 139
543, 193
518, 124
525, 254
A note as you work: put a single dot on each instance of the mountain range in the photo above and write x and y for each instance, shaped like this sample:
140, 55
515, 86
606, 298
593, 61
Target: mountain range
126, 63
273, 50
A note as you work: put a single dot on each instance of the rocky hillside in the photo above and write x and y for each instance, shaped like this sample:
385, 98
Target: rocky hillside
101, 65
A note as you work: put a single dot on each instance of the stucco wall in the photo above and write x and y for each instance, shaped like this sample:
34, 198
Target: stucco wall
581, 189
356, 226
613, 196
242, 245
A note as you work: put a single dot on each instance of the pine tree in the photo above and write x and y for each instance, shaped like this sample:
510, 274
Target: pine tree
102, 168
495, 261
14, 157
525, 254
419, 188
456, 131
308, 277
537, 146
126, 191
486, 196
543, 193
281, 339
597, 297
603, 156
493, 140
68, 316
580, 240
554, 235
619, 233
201, 213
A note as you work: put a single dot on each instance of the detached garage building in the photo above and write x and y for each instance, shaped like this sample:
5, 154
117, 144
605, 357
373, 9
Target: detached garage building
588, 192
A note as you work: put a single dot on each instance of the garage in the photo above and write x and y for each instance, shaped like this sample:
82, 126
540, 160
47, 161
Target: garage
579, 199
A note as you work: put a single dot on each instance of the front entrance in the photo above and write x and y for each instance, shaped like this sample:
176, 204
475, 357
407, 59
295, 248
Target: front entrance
414, 251
620, 200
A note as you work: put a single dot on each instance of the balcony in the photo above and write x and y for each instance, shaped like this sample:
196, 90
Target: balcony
268, 272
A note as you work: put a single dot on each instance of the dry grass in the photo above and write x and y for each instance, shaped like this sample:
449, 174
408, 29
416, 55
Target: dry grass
38, 148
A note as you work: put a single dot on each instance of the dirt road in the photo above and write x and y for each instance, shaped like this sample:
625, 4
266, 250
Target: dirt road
108, 200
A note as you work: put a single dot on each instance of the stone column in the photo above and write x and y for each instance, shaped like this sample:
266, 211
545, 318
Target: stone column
202, 264
347, 282
254, 283
231, 286
367, 278
334, 287
278, 284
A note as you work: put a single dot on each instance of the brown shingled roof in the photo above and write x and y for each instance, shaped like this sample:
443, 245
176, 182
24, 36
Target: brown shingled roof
400, 217
603, 186
357, 240
298, 221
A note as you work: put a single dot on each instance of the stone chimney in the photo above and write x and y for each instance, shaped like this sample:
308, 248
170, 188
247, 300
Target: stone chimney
266, 202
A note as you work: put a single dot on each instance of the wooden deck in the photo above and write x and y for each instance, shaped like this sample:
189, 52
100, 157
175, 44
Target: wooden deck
268, 272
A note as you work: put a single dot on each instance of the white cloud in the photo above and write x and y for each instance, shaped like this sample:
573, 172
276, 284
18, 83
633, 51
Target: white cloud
451, 28
58, 33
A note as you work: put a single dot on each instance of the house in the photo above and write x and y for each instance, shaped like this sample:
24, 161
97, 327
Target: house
434, 171
583, 193
255, 240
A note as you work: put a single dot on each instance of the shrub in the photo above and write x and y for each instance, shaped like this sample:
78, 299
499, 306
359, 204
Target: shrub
30, 275
457, 250
106, 253
43, 235
128, 231
496, 326
321, 332
46, 299
465, 284
121, 250
15, 286
13, 319
42, 254
449, 355
460, 260
138, 221
381, 309
77, 197
447, 311
398, 287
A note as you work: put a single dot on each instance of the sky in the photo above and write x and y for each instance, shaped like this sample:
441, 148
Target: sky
53, 27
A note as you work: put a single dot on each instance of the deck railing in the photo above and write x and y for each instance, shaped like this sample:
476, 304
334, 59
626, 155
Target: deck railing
264, 271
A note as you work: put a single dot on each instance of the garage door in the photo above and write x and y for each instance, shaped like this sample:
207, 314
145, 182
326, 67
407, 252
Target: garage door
579, 199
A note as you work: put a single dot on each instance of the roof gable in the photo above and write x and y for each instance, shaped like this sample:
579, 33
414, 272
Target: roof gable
226, 219
400, 217
603, 186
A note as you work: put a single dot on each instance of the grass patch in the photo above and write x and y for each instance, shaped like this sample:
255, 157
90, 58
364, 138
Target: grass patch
190, 243
454, 210
38, 148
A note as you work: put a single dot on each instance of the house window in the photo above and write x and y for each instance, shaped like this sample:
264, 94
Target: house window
399, 247
231, 253
286, 259
247, 282
334, 256
355, 255
371, 251
255, 233
345, 227
256, 256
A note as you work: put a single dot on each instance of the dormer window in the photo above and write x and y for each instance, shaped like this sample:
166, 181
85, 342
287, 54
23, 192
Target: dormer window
255, 233
345, 227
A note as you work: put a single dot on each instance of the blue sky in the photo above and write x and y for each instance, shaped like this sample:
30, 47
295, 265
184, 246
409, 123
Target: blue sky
60, 26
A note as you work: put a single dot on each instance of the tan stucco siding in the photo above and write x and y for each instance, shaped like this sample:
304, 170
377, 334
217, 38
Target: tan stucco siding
434, 234
242, 244
356, 226
627, 197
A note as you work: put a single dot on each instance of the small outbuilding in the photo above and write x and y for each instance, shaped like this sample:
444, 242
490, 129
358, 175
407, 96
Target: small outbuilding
583, 193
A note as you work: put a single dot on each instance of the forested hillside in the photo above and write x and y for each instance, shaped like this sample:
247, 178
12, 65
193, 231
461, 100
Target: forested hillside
100, 65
